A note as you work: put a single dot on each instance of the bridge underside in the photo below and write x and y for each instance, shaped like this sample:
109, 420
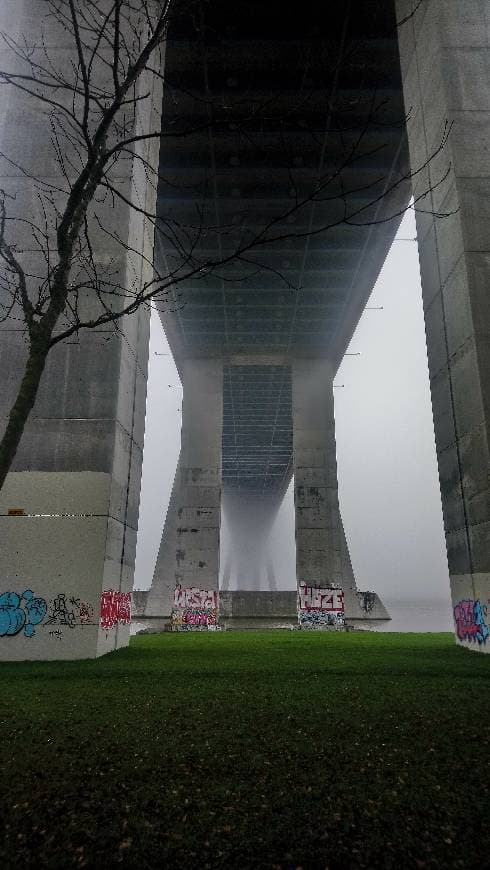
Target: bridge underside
300, 156
283, 170
291, 192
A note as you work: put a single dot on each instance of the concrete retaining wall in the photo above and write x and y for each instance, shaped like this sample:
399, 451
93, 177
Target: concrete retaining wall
251, 609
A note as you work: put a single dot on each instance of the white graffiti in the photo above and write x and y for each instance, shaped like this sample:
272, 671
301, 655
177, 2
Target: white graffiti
328, 599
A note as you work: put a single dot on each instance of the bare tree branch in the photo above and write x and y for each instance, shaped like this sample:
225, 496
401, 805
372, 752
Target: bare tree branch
92, 110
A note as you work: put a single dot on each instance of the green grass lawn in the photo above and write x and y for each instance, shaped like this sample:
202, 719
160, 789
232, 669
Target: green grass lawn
249, 750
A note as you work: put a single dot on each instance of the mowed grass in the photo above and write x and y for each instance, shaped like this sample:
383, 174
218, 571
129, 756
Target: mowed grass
249, 750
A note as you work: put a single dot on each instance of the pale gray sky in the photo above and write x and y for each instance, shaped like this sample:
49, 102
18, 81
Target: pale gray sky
388, 483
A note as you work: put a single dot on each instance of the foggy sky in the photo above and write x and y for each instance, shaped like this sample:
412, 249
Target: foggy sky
388, 483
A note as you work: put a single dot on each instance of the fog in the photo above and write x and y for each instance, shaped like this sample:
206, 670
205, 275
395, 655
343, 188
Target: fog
388, 483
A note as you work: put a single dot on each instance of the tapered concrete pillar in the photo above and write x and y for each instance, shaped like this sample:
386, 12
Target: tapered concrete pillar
318, 526
69, 508
348, 578
445, 58
318, 534
189, 553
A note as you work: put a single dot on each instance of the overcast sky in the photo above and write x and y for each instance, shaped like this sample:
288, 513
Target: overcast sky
388, 483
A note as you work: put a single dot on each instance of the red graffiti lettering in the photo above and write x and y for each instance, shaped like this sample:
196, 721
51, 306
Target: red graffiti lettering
86, 612
115, 608
327, 599
199, 617
193, 597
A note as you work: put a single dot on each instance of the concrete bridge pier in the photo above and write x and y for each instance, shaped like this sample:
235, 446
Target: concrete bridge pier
318, 525
322, 552
189, 551
445, 58
69, 507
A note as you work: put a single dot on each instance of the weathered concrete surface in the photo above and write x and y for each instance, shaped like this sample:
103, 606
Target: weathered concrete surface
189, 551
240, 608
257, 604
367, 608
445, 57
76, 477
318, 524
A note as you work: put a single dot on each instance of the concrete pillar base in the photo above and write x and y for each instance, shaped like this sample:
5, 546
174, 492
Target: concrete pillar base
66, 568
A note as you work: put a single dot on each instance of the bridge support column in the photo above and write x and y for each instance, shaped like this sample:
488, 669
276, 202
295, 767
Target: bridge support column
318, 526
444, 50
69, 507
189, 552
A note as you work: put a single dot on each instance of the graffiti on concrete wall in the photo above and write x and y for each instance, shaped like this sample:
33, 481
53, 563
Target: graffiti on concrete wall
194, 620
320, 606
470, 619
21, 612
69, 611
194, 609
367, 601
192, 596
115, 608
316, 619
322, 598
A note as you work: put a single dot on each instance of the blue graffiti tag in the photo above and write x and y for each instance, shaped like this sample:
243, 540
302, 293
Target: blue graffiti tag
19, 612
469, 617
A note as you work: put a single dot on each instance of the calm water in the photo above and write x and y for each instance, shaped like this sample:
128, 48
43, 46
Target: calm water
406, 615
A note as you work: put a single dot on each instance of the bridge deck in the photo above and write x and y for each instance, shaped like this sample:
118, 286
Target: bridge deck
299, 143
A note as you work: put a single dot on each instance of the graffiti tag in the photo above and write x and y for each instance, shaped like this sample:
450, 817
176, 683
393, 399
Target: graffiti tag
20, 612
69, 612
326, 598
470, 617
85, 610
115, 608
193, 619
320, 619
320, 606
367, 601
194, 609
193, 597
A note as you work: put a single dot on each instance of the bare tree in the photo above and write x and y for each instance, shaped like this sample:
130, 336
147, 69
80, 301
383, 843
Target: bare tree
93, 107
